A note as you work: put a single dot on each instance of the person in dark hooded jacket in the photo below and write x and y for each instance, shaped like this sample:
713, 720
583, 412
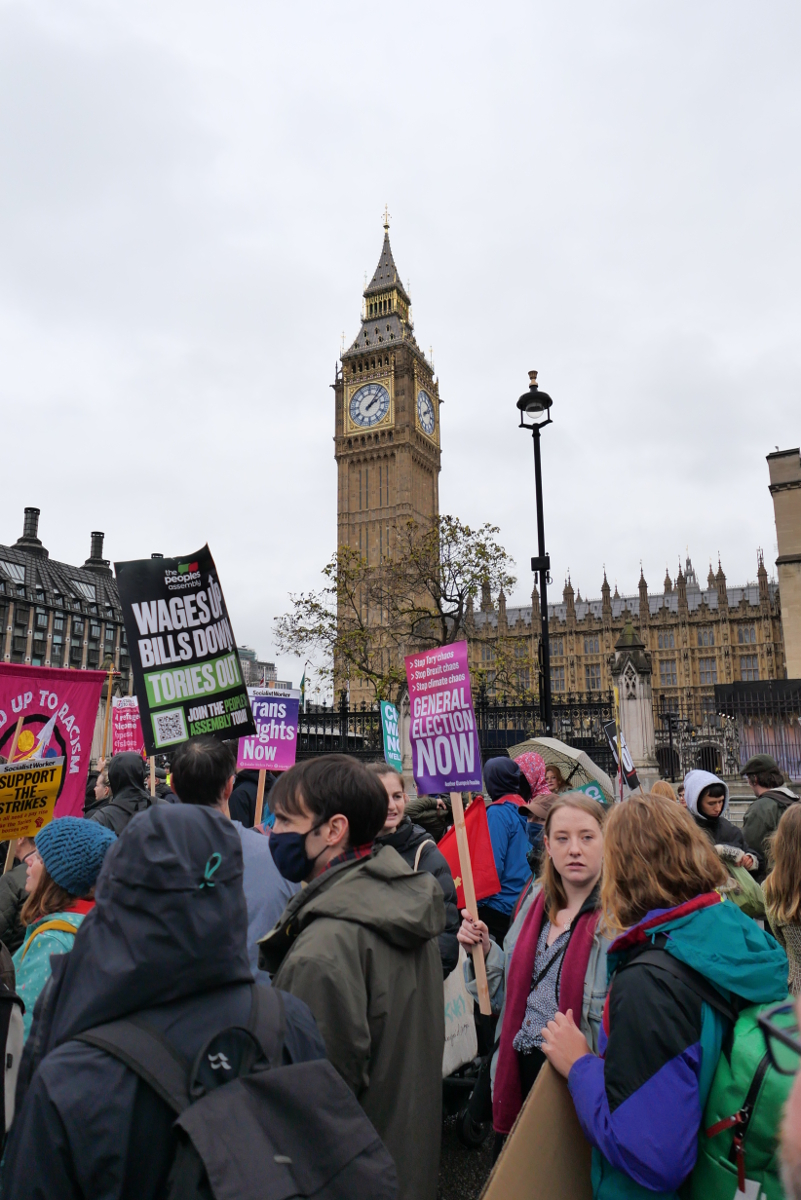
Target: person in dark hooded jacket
707, 798
507, 818
242, 804
126, 777
418, 849
160, 945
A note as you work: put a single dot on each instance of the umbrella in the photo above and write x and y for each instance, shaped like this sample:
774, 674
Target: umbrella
576, 765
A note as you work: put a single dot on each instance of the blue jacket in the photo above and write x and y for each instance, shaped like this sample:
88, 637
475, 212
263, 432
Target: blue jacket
508, 828
640, 1104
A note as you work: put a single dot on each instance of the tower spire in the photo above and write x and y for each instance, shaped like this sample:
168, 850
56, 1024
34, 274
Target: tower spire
386, 217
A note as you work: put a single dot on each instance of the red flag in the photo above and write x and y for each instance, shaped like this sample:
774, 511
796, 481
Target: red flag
485, 876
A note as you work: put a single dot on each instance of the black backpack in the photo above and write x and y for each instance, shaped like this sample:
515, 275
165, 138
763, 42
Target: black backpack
250, 1128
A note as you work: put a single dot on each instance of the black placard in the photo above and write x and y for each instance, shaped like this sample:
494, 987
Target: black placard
186, 670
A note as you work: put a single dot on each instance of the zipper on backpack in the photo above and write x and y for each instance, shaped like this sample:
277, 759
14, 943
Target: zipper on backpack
740, 1122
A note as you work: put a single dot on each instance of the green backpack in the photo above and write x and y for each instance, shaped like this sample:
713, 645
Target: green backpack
739, 1138
738, 1143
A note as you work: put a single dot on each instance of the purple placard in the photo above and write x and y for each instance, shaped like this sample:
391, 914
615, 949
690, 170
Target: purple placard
445, 751
274, 745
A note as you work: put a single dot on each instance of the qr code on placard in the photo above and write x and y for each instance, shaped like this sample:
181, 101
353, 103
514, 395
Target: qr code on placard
169, 727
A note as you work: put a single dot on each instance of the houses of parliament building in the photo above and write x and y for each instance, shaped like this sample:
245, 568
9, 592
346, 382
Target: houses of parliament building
388, 452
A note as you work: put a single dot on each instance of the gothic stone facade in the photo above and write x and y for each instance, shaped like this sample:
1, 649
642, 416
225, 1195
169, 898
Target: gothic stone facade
56, 615
696, 637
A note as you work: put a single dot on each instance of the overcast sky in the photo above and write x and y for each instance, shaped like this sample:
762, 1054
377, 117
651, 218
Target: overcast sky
191, 193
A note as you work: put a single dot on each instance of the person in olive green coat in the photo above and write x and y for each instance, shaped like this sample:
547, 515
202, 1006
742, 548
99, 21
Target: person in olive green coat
359, 946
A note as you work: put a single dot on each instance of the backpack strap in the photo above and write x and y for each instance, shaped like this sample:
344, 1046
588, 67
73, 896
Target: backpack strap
420, 849
267, 1022
663, 960
148, 1054
154, 1059
46, 927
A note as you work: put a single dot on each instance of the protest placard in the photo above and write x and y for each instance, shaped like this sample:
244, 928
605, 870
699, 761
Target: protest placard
58, 709
546, 1156
126, 728
446, 755
629, 773
594, 791
390, 730
445, 750
28, 794
186, 670
274, 745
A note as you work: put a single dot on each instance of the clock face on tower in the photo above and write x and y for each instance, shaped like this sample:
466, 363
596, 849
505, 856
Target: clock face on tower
425, 412
369, 405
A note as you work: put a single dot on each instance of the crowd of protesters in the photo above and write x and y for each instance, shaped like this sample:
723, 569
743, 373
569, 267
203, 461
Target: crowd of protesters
621, 947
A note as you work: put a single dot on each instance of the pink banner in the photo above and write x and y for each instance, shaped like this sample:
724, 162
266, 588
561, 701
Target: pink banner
445, 751
59, 708
126, 728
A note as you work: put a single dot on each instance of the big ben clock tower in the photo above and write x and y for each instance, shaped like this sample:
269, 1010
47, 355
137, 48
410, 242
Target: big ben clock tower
387, 442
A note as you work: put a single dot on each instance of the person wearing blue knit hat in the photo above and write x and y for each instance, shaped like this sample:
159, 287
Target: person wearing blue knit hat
61, 879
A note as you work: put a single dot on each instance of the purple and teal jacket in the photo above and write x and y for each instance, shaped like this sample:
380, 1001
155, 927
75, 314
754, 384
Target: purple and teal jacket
640, 1102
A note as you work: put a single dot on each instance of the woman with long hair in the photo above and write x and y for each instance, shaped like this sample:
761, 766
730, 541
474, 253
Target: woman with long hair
553, 958
62, 872
782, 890
419, 851
640, 1103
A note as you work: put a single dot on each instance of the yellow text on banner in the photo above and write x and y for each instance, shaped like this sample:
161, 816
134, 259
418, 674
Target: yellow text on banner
28, 793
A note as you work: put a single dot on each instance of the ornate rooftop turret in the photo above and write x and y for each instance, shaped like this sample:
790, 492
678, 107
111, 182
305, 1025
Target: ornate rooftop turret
723, 595
387, 306
502, 609
535, 605
710, 579
568, 596
762, 576
486, 597
681, 588
668, 582
606, 602
643, 590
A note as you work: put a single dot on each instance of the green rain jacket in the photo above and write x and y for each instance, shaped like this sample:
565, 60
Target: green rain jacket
359, 946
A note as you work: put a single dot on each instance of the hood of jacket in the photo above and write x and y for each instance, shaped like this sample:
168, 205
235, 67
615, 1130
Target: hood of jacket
169, 921
503, 778
712, 935
380, 892
694, 784
407, 836
126, 778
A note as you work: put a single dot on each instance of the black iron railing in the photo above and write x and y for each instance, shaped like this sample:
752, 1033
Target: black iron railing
577, 720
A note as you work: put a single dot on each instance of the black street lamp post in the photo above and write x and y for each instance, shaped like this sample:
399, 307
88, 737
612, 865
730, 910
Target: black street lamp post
536, 405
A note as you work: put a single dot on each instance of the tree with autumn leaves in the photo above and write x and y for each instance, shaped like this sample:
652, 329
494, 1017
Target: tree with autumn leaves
367, 617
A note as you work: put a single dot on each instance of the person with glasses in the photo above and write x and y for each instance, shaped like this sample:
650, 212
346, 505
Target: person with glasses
13, 896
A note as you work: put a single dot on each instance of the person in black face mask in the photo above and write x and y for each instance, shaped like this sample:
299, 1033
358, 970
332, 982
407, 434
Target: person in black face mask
359, 945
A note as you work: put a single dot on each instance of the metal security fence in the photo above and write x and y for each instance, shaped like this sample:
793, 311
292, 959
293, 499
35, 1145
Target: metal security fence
579, 721
767, 715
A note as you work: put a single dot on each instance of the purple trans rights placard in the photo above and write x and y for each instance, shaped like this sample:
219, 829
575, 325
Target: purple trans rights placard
274, 745
445, 750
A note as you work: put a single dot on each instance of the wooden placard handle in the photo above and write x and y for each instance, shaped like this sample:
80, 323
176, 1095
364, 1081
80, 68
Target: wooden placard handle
152, 775
104, 747
260, 798
466, 868
12, 845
